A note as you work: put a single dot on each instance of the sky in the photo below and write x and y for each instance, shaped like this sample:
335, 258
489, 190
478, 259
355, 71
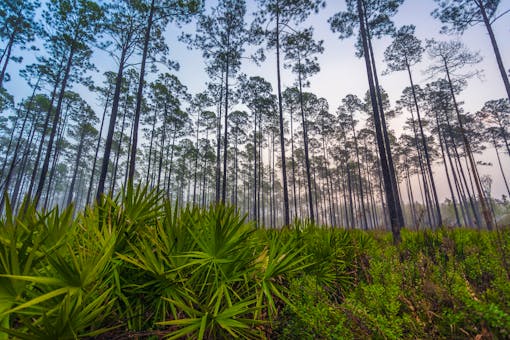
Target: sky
343, 73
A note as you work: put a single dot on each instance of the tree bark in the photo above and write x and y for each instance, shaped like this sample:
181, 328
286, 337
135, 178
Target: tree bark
280, 110
76, 166
390, 197
56, 118
495, 47
89, 192
305, 142
111, 127
485, 211
139, 98
426, 149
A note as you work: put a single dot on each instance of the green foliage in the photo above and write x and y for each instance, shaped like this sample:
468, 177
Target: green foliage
135, 265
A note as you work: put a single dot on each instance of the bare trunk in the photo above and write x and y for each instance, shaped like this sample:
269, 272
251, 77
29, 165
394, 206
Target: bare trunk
280, 109
139, 96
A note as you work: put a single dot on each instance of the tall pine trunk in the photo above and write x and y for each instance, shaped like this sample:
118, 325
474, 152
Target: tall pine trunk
89, 192
485, 211
305, 143
139, 95
495, 47
425, 149
76, 166
225, 134
390, 195
111, 127
56, 119
280, 111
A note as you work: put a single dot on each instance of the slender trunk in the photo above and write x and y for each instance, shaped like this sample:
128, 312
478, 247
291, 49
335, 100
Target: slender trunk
464, 188
76, 166
425, 149
410, 195
170, 167
139, 98
18, 145
160, 166
225, 136
119, 147
7, 57
500, 165
352, 221
150, 146
24, 161
280, 109
218, 145
204, 173
126, 172
387, 145
111, 128
457, 218
360, 179
495, 47
305, 142
390, 197
89, 192
234, 201
485, 211
255, 170
196, 160
56, 155
457, 177
56, 118
293, 163
428, 200
43, 136
11, 139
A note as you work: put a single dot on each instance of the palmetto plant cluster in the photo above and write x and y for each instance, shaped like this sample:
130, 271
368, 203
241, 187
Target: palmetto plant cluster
134, 264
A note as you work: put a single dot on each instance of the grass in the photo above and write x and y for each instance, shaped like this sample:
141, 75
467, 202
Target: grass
136, 266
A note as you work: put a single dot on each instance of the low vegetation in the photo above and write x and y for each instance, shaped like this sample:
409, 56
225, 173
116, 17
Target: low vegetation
136, 267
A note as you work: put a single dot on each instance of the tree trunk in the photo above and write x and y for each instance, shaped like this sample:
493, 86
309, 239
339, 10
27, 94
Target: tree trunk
293, 163
360, 179
387, 145
111, 127
446, 171
56, 155
196, 161
218, 145
485, 211
7, 57
426, 149
390, 197
89, 192
225, 135
495, 47
500, 166
280, 110
160, 166
255, 151
138, 108
119, 147
16, 148
56, 118
305, 143
76, 166
150, 147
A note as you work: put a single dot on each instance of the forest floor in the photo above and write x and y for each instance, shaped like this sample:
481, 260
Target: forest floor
137, 267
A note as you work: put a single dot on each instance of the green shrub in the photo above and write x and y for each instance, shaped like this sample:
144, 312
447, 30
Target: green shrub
135, 265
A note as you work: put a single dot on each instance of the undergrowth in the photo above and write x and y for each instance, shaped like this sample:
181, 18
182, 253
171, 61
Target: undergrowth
135, 266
